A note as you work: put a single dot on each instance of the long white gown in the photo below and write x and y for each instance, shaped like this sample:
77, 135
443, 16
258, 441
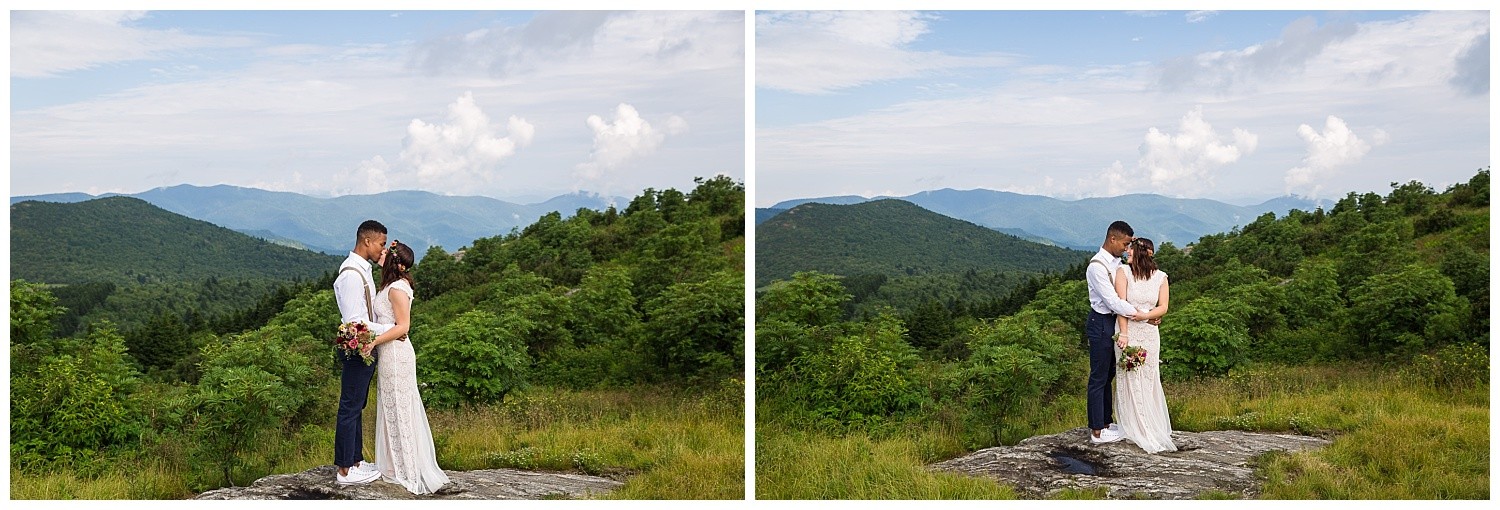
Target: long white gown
1140, 404
404, 453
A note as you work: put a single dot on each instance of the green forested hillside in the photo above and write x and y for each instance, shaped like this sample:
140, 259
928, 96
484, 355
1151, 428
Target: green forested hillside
892, 238
559, 346
1330, 322
127, 241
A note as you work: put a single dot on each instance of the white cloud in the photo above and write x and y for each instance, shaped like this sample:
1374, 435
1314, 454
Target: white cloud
1472, 67
308, 105
463, 152
628, 136
1200, 16
1186, 161
817, 52
1223, 71
1336, 146
1071, 126
51, 43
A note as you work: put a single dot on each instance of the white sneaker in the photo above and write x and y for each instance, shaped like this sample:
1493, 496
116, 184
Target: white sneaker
1107, 436
366, 466
1114, 426
357, 477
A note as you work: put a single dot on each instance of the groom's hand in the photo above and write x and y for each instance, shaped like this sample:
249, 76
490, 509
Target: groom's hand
1154, 322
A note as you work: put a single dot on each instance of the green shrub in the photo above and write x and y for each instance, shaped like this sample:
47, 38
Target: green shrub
476, 358
1456, 366
1205, 337
860, 378
698, 329
1407, 311
998, 380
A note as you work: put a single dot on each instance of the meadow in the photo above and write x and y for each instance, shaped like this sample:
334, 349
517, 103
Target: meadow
663, 443
1394, 437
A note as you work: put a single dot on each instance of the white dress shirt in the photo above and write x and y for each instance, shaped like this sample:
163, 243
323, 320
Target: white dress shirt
1102, 296
349, 290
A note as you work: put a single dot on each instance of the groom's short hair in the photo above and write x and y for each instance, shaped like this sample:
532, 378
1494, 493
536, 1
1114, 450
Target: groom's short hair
1122, 228
368, 228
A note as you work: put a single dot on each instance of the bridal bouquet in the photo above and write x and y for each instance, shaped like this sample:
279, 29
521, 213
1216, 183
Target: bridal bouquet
1132, 357
352, 338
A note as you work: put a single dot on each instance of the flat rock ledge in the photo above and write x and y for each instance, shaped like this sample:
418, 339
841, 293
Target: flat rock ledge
1206, 462
319, 483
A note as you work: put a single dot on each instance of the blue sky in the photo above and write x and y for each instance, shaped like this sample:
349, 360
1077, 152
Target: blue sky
1237, 105
509, 104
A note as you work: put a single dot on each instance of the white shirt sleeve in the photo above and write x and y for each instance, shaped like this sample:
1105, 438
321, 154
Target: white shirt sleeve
349, 292
1100, 279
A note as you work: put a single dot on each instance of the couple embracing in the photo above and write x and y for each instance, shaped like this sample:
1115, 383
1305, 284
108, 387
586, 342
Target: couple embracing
1126, 300
404, 452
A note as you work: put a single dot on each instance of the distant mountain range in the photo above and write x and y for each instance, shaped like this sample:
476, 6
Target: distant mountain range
127, 241
1078, 224
894, 238
418, 218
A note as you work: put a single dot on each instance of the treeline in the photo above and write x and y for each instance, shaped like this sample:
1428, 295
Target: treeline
127, 241
1400, 280
652, 293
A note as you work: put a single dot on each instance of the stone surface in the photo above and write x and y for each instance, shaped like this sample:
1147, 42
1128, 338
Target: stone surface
318, 483
1218, 461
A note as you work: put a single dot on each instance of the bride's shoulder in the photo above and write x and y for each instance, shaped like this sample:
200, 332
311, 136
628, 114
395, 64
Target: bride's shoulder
404, 287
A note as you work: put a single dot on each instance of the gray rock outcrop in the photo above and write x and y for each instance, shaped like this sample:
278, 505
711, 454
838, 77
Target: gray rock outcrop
318, 483
1215, 462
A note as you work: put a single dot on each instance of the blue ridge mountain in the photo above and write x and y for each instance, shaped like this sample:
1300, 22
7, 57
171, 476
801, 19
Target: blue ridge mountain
418, 218
125, 240
894, 238
1079, 223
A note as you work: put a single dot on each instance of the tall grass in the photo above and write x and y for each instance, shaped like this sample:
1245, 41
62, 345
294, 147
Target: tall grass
1393, 438
663, 442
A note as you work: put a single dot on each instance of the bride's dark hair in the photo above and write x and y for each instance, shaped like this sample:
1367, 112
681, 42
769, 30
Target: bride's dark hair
399, 260
1142, 261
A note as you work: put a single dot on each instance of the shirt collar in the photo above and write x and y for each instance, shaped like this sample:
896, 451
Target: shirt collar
361, 262
1106, 257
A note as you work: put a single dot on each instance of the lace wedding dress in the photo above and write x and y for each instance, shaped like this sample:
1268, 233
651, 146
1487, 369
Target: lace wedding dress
404, 453
1140, 405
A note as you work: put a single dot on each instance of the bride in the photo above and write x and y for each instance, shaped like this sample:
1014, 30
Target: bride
404, 453
1140, 405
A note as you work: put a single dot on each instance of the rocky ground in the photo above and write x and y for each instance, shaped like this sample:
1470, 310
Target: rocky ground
318, 483
1215, 462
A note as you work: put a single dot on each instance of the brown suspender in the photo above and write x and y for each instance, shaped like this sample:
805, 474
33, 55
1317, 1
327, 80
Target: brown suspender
369, 308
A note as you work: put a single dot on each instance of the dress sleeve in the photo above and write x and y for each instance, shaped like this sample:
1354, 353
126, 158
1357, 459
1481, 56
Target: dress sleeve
406, 288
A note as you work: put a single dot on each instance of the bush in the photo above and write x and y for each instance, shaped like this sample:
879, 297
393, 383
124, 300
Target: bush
1406, 311
64, 412
1205, 337
251, 383
698, 329
861, 378
998, 380
477, 358
1456, 366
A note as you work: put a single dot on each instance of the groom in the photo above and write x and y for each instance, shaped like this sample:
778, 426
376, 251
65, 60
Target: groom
1104, 304
354, 291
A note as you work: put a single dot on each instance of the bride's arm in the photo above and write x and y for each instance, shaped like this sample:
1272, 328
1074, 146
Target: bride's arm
401, 304
1161, 303
1121, 328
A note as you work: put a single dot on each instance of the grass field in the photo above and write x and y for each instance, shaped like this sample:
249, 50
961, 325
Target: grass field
664, 443
1393, 438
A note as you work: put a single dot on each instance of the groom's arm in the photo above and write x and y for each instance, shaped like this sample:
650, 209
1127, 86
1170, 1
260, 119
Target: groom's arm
348, 292
1099, 280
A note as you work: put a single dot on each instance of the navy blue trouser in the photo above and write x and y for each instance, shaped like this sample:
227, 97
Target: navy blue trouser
354, 390
1099, 330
